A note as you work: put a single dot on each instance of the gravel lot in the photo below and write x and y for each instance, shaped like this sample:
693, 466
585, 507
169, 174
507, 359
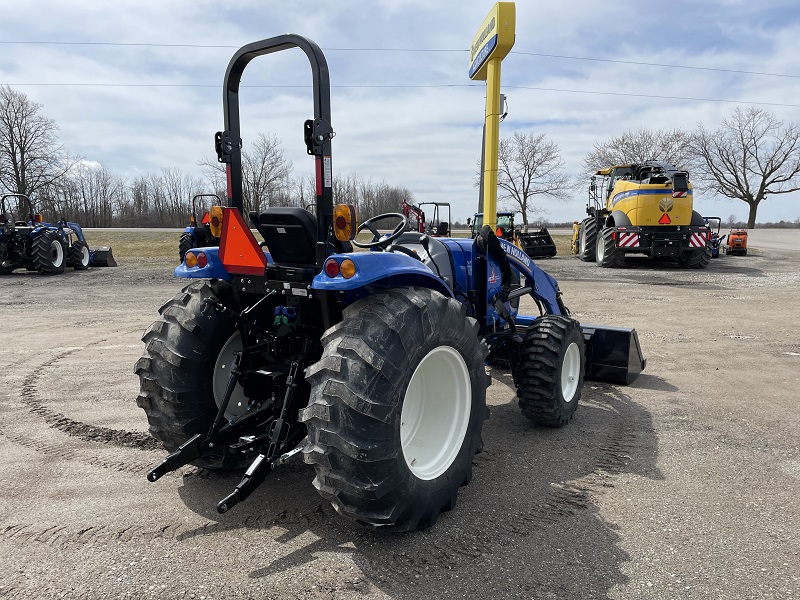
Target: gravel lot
685, 484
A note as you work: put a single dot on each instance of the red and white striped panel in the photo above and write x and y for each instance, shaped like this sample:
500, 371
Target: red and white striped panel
679, 194
698, 240
628, 240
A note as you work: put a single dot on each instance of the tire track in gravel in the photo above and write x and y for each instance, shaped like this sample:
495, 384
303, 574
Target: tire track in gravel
60, 452
62, 536
77, 429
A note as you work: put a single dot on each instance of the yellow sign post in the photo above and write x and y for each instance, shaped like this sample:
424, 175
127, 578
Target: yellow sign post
489, 47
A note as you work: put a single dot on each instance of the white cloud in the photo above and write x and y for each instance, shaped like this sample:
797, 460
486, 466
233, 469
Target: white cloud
424, 138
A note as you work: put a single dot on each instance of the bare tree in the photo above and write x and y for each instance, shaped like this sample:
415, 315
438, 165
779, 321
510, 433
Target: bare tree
530, 165
265, 173
750, 156
31, 157
672, 146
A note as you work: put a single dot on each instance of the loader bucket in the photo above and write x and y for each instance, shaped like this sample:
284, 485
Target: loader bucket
102, 257
613, 354
538, 244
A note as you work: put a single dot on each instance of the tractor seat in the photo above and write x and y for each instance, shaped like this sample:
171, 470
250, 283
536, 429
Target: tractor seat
290, 234
439, 261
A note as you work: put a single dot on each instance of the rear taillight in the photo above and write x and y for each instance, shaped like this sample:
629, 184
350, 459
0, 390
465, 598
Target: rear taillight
331, 267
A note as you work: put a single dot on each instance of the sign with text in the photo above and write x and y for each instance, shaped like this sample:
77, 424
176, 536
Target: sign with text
493, 40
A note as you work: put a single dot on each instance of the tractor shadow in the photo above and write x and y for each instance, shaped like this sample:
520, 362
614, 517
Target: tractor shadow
528, 525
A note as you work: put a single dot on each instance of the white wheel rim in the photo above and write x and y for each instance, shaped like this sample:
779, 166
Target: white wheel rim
56, 253
570, 372
85, 256
222, 371
435, 414
601, 249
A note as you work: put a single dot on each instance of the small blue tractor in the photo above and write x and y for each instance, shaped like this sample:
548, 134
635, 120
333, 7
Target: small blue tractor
715, 240
371, 365
199, 233
28, 242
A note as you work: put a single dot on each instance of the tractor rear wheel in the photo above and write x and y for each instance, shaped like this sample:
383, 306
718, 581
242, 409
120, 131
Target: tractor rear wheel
186, 243
551, 369
78, 256
397, 405
587, 240
608, 255
697, 258
183, 351
48, 255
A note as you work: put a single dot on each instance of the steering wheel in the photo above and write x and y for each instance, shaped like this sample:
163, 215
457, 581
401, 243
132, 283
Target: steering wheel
377, 240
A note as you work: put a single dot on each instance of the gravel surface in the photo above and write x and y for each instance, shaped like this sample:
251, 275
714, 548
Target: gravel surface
685, 484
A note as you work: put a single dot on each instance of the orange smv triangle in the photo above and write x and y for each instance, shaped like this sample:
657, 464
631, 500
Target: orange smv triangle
238, 249
664, 220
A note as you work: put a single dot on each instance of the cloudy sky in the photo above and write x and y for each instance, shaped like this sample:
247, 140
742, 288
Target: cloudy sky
136, 85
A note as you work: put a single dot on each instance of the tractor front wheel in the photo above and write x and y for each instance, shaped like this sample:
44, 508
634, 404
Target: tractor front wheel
78, 256
187, 352
587, 240
397, 405
185, 244
608, 255
551, 369
48, 255
697, 258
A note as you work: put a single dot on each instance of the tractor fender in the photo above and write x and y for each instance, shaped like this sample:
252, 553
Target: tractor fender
213, 270
618, 219
697, 219
380, 270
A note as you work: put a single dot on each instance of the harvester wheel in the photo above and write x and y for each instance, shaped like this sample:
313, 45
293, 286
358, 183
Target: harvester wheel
608, 255
397, 405
176, 372
78, 256
551, 370
587, 242
695, 259
186, 243
48, 255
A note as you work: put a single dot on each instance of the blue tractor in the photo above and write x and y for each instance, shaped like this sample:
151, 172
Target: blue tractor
371, 365
26, 241
199, 233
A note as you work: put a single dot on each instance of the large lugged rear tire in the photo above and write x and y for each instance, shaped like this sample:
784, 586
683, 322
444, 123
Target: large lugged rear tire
47, 253
176, 372
78, 256
397, 404
587, 240
697, 258
551, 370
608, 255
185, 244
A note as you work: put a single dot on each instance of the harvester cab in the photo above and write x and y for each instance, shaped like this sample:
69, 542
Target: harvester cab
199, 233
369, 365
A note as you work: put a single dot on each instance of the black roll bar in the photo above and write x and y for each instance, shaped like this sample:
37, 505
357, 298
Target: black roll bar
318, 132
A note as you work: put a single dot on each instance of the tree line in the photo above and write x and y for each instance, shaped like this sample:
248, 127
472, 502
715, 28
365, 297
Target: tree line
34, 163
750, 156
